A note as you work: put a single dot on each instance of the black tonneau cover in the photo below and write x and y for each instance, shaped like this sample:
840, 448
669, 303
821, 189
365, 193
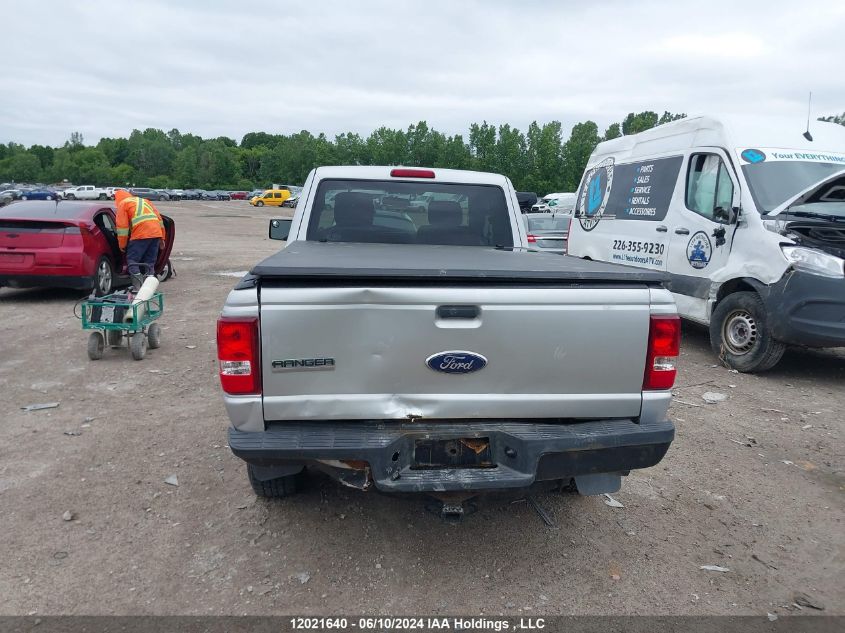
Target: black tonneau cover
302, 260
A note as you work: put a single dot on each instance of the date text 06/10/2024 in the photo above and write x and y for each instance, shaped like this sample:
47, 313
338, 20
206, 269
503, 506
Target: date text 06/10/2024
417, 624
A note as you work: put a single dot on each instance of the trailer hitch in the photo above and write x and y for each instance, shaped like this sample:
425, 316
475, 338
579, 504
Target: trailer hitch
451, 507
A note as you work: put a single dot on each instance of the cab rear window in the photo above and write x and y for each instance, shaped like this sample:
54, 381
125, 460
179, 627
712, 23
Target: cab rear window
394, 212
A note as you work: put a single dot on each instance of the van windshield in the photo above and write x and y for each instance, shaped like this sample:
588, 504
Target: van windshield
393, 212
774, 182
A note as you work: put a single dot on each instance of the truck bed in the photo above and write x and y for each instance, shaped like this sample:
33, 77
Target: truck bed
406, 262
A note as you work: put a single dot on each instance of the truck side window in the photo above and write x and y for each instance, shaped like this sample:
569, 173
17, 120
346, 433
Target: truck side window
709, 187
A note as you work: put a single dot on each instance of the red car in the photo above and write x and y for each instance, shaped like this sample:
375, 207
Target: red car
69, 245
237, 195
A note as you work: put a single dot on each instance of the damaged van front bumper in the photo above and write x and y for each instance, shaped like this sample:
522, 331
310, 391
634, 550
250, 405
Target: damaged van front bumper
807, 309
444, 456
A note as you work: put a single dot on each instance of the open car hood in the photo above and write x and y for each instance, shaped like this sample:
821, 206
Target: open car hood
805, 194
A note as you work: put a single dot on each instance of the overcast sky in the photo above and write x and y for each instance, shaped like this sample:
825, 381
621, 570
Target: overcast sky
104, 67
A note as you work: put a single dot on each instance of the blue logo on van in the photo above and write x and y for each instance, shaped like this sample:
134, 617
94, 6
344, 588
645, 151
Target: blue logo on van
753, 156
456, 362
596, 194
699, 250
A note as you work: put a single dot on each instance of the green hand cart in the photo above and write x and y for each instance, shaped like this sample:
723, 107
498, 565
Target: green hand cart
115, 317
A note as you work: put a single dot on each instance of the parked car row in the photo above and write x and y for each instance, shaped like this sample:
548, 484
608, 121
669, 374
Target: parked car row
184, 194
9, 195
193, 194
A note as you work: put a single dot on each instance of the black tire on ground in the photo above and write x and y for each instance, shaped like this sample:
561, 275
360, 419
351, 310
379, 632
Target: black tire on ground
166, 272
70, 196
114, 338
96, 344
259, 203
23, 197
740, 334
138, 345
103, 196
154, 336
276, 488
103, 281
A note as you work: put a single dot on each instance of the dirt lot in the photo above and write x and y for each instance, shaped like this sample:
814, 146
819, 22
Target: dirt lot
754, 484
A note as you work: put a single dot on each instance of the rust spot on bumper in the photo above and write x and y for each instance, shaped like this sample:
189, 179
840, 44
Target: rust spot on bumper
477, 446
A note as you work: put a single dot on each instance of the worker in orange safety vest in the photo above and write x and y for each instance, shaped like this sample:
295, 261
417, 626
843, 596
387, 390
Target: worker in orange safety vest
140, 234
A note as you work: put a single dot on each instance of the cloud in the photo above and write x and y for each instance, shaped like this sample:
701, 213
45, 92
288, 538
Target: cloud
104, 67
730, 46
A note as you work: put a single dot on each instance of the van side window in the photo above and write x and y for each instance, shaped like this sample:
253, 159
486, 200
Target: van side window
710, 189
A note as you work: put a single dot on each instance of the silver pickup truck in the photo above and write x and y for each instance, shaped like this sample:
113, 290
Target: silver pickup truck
407, 339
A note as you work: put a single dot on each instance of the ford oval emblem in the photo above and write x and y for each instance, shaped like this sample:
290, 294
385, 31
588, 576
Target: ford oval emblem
456, 362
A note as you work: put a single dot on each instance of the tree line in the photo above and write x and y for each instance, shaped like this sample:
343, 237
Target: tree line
836, 118
539, 160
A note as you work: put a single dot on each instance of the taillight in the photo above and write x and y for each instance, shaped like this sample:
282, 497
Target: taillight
237, 352
664, 346
411, 173
531, 239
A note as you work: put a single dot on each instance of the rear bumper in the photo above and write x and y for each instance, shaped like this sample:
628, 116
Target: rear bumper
46, 281
520, 452
806, 309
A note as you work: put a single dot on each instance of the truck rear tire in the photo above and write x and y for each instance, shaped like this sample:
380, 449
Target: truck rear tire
740, 334
275, 488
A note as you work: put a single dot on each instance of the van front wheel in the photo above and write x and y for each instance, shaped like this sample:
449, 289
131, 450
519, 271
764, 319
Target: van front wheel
740, 334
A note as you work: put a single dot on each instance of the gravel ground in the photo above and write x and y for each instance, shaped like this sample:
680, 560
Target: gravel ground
753, 484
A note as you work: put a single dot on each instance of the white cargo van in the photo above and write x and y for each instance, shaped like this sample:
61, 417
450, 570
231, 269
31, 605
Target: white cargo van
747, 217
555, 203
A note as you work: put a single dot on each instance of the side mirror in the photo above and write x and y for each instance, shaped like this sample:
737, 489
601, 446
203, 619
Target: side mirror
280, 229
734, 215
726, 216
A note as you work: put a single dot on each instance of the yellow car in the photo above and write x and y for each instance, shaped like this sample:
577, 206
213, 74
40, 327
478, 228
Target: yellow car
271, 198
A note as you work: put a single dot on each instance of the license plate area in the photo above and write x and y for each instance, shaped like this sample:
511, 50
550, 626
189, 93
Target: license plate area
468, 452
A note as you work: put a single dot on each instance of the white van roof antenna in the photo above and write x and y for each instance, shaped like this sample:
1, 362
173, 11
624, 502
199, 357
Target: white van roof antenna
807, 134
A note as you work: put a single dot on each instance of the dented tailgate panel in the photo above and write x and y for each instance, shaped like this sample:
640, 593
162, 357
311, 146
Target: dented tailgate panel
359, 353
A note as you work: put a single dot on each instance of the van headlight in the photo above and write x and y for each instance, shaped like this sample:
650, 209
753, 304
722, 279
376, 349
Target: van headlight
813, 261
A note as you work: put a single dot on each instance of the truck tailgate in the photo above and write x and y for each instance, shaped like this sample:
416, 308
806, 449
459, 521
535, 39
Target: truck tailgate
565, 350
